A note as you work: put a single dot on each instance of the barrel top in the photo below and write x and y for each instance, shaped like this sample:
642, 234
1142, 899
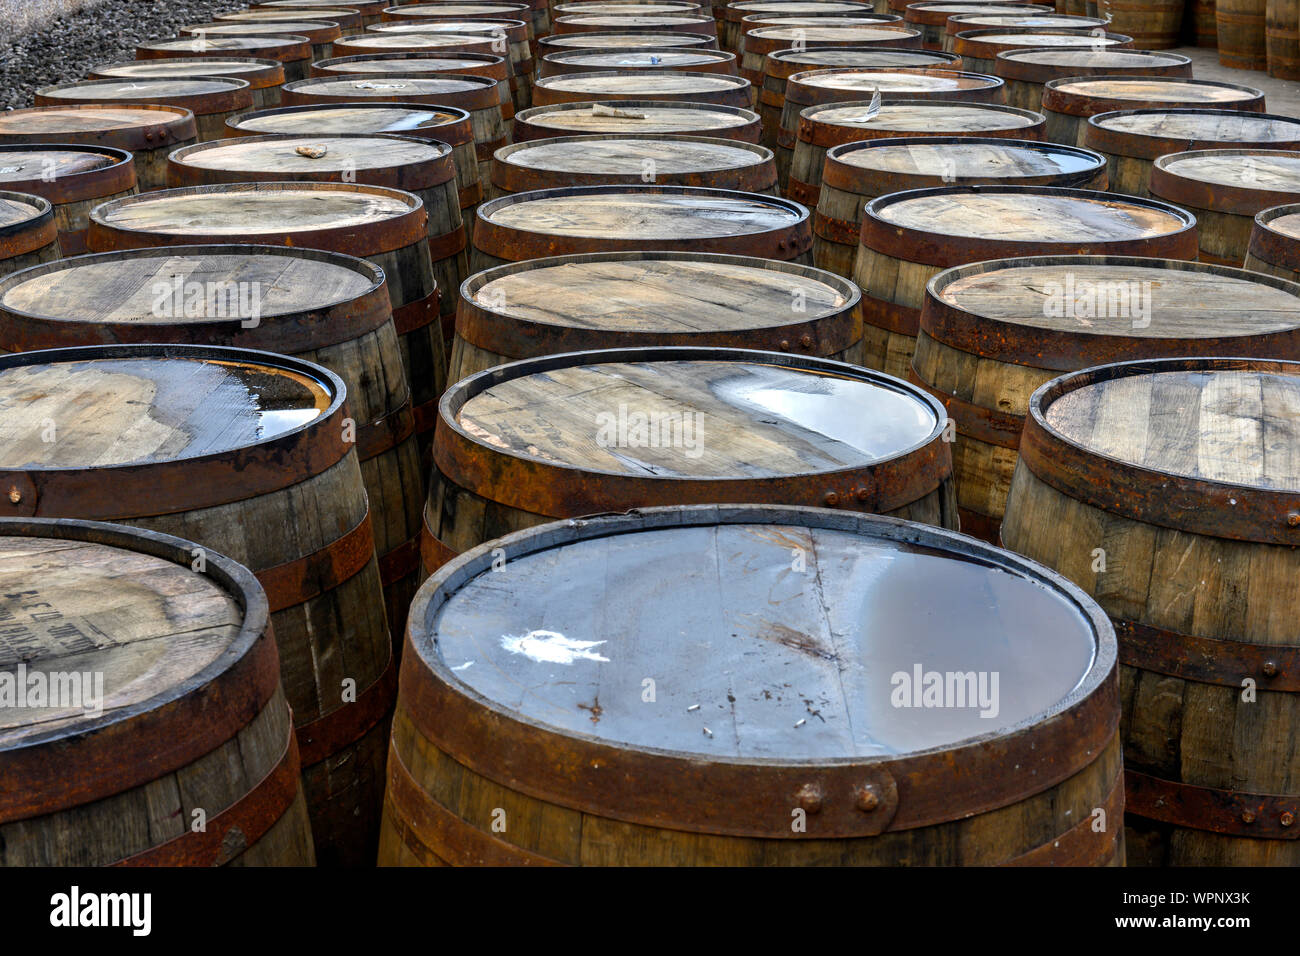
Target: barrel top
123, 411
962, 159
484, 26
185, 67
903, 81
798, 6
132, 628
18, 208
400, 64
234, 210
755, 663
1236, 126
1028, 214
1285, 222
847, 56
73, 120
20, 165
267, 42
1264, 170
648, 40
628, 155
921, 115
645, 293
144, 88
458, 9
1154, 89
124, 288
1083, 57
863, 33
360, 88
971, 21
1041, 39
237, 27
271, 13
346, 118
291, 154
1232, 425
609, 60
656, 118
622, 9
646, 84
386, 41
967, 6
644, 20
746, 418
1122, 296
794, 20
613, 213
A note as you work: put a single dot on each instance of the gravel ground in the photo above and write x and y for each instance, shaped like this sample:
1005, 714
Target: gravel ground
67, 47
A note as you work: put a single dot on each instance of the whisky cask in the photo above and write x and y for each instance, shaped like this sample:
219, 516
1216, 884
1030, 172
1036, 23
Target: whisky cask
264, 77
1020, 23
856, 173
1197, 534
817, 88
477, 95
586, 219
1132, 140
637, 60
634, 299
384, 67
1069, 103
157, 673
729, 28
291, 52
371, 44
509, 38
1026, 71
147, 132
1226, 189
387, 226
642, 117
909, 238
371, 10
321, 34
553, 437
211, 99
810, 33
245, 453
1153, 24
900, 6
454, 10
326, 308
737, 770
73, 179
605, 85
349, 21
626, 8
1282, 39
446, 124
633, 160
29, 233
993, 332
702, 24
1242, 34
1275, 243
932, 18
624, 41
979, 49
753, 53
822, 127
780, 65
1204, 25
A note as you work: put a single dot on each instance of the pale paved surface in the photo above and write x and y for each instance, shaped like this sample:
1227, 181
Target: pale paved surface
1283, 96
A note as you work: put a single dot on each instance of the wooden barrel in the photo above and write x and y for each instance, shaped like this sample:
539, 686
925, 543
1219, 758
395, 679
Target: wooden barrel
822, 127
1132, 140
848, 85
587, 219
856, 173
29, 233
633, 160
1226, 189
529, 442
993, 332
454, 10
264, 77
1026, 71
631, 299
779, 66
1153, 24
1069, 103
446, 124
245, 453
211, 99
637, 117
1204, 24
1282, 39
1275, 242
752, 53
291, 52
509, 38
626, 8
349, 21
147, 132
477, 95
979, 49
730, 32
139, 659
1019, 22
1242, 31
321, 34
908, 238
387, 226
932, 18
740, 770
322, 307
704, 25
383, 68
371, 10
637, 60
73, 180
373, 44
605, 85
761, 42
624, 41
1205, 513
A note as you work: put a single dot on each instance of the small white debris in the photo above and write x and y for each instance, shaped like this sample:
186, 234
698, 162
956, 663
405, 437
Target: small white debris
707, 732
801, 721
692, 707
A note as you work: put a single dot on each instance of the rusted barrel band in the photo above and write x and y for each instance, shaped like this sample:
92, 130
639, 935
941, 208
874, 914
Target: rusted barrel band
448, 244
890, 316
1081, 845
383, 435
328, 734
121, 756
99, 184
785, 138
1222, 198
418, 314
484, 151
236, 828
1208, 660
441, 832
294, 582
803, 192
472, 194
433, 553
975, 421
1232, 812
838, 231
771, 98
396, 563
31, 234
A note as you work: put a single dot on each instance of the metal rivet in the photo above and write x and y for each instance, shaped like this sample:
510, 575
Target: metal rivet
785, 345
1270, 669
810, 798
863, 493
1287, 818
15, 495
1248, 816
806, 341
1293, 520
867, 798
831, 499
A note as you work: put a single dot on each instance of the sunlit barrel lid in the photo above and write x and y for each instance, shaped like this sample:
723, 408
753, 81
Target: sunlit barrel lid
324, 119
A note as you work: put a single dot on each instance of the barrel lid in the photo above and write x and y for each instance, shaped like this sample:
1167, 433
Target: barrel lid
342, 17
315, 30
1068, 312
1283, 220
361, 88
627, 155
293, 155
625, 9
828, 19
647, 40
1083, 57
18, 210
326, 118
634, 84
917, 10
970, 21
480, 26
21, 163
1155, 132
602, 60
171, 67
1147, 89
960, 157
143, 89
142, 126
798, 6
1207, 445
648, 21
366, 7
848, 33
926, 115
195, 45
1000, 37
1235, 181
892, 83
405, 63
863, 56
388, 41
455, 9
757, 673
653, 117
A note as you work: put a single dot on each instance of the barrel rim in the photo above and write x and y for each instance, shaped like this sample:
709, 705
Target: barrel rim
462, 115
916, 12
797, 81
1014, 56
401, 26
473, 82
232, 94
181, 126
761, 154
832, 19
561, 56
327, 66
1076, 22
42, 215
563, 40
1139, 144
1082, 104
66, 187
747, 126
940, 56
317, 32
285, 43
1219, 197
735, 82
768, 32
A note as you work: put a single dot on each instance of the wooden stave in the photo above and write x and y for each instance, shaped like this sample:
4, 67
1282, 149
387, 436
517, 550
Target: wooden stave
1241, 30
210, 110
1282, 39
985, 452
748, 132
370, 10
556, 64
545, 93
296, 627
34, 240
981, 56
114, 792
490, 65
1151, 833
264, 82
756, 48
1270, 251
1025, 80
292, 51
843, 183
1155, 26
73, 195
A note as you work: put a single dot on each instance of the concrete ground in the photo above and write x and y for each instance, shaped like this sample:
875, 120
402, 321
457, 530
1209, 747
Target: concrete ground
1282, 96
